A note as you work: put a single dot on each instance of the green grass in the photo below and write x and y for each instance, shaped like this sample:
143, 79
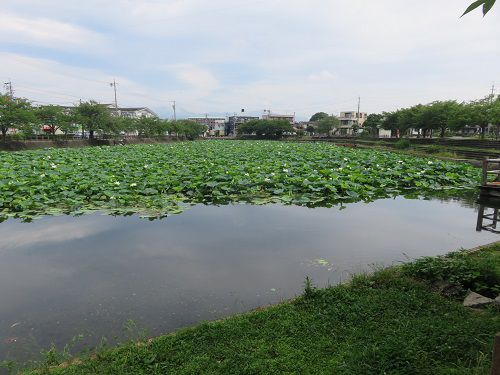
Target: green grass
386, 323
160, 179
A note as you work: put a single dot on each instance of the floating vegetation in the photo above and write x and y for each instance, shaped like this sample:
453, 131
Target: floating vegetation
157, 180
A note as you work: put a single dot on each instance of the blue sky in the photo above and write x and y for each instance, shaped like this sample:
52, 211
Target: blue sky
217, 57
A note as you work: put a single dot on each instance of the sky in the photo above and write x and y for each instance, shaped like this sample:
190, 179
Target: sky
216, 58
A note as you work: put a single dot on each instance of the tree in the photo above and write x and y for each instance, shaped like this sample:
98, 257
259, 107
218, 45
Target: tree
327, 124
495, 115
93, 117
53, 117
479, 113
373, 123
190, 129
487, 5
15, 113
266, 128
310, 129
147, 126
391, 122
318, 116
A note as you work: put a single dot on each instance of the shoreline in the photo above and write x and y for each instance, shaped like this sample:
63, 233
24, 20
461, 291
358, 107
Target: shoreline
309, 333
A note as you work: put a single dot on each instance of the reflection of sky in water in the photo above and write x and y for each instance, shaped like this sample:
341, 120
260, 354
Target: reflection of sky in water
62, 276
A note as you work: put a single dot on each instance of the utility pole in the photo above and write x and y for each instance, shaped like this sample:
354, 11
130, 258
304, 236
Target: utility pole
8, 88
492, 92
359, 106
113, 84
173, 106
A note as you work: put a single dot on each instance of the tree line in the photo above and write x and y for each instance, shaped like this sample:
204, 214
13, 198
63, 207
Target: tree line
90, 117
438, 116
265, 128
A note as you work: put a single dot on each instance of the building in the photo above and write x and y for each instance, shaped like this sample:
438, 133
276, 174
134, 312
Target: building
231, 126
268, 115
215, 125
349, 121
131, 112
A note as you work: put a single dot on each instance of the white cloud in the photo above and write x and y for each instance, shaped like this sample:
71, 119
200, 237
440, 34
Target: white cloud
19, 236
195, 76
299, 55
46, 32
321, 76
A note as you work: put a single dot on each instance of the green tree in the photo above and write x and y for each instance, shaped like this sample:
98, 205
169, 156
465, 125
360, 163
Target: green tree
15, 113
479, 113
373, 123
327, 124
391, 121
318, 116
310, 129
495, 115
52, 116
266, 128
190, 129
147, 126
93, 117
486, 4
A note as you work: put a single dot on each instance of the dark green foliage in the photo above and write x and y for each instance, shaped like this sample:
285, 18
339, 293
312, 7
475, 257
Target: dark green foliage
402, 144
93, 117
15, 113
327, 124
440, 116
265, 128
318, 116
158, 179
479, 273
486, 4
380, 324
309, 288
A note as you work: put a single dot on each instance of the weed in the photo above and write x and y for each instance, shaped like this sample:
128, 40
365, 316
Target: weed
402, 144
309, 288
479, 273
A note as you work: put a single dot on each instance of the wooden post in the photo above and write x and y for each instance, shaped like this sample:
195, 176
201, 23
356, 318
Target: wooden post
480, 218
485, 172
495, 366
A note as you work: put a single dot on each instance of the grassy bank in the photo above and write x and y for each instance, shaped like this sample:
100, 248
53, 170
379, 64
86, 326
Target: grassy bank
392, 322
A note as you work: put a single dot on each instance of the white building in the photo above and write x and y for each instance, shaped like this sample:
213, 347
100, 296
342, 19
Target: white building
215, 125
268, 115
131, 112
349, 121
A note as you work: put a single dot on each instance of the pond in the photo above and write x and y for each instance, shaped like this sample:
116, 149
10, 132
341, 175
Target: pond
65, 276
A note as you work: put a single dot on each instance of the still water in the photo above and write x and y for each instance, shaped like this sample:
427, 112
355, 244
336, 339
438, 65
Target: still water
65, 276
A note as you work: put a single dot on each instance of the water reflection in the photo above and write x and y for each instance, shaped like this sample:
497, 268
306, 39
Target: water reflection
62, 276
488, 216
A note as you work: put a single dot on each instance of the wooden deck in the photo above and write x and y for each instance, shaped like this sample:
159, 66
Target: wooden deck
490, 186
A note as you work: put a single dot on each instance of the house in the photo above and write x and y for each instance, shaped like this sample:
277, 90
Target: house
231, 126
349, 121
215, 125
268, 115
131, 112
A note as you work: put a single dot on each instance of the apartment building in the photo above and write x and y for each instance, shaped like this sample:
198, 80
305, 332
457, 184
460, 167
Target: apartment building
349, 121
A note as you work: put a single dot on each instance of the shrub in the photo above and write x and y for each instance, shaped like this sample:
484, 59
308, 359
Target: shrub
402, 144
477, 272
